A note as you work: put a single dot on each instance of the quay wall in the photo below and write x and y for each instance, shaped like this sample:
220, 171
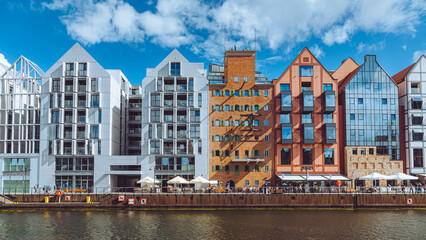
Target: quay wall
156, 201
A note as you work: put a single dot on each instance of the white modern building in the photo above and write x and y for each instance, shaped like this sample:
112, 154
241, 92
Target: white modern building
412, 101
175, 125
19, 125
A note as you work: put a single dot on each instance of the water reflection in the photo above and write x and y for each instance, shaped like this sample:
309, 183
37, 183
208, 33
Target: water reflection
213, 224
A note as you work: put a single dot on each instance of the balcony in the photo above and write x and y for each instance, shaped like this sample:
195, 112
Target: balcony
417, 119
286, 133
308, 133
330, 133
330, 101
416, 103
286, 101
82, 73
308, 101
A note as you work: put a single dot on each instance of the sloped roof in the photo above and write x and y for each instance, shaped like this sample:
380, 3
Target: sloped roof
399, 77
345, 81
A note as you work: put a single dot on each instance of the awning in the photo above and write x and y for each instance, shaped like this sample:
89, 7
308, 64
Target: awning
291, 177
316, 178
337, 177
417, 131
417, 99
417, 115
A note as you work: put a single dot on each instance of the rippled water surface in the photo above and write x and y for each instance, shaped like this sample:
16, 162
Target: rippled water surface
274, 224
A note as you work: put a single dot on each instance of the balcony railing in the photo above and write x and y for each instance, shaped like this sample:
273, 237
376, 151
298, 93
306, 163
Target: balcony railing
81, 119
68, 119
168, 103
68, 103
82, 88
181, 103
181, 150
169, 88
181, 87
181, 118
68, 135
68, 88
81, 151
67, 150
82, 103
69, 73
415, 90
168, 118
168, 150
81, 135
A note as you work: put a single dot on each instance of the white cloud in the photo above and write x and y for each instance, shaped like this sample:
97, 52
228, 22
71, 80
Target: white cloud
371, 48
280, 25
317, 51
404, 47
417, 54
4, 64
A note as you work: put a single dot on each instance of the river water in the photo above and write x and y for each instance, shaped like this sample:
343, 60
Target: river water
232, 224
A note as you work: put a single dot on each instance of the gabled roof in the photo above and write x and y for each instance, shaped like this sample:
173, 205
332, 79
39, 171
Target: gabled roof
345, 81
348, 65
304, 49
399, 77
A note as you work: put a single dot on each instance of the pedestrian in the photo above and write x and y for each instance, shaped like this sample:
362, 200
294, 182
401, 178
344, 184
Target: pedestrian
403, 188
411, 188
35, 188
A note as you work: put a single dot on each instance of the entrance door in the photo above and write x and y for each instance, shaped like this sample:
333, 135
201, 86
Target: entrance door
230, 184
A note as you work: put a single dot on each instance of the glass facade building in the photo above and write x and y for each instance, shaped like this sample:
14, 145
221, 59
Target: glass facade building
371, 109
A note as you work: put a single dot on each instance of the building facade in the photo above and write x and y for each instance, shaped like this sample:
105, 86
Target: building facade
306, 119
19, 125
370, 100
175, 120
241, 120
412, 101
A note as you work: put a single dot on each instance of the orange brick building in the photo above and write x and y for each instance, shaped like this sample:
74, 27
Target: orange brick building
306, 119
241, 120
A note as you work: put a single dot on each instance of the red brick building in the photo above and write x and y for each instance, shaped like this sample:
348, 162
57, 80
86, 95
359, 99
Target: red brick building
241, 123
306, 120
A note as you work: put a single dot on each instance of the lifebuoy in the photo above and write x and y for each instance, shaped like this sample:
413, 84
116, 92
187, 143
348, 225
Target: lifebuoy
338, 183
59, 193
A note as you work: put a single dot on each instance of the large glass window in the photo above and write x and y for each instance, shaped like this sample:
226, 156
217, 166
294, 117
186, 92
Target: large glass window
82, 69
16, 164
287, 133
155, 115
155, 100
94, 132
307, 118
306, 71
284, 87
95, 100
175, 68
328, 118
417, 135
285, 118
330, 132
308, 133
285, 156
418, 157
307, 156
154, 147
330, 100
69, 69
285, 101
327, 87
416, 103
329, 156
308, 100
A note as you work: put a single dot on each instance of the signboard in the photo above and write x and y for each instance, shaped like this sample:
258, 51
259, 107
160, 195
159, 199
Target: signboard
143, 201
131, 201
409, 201
67, 198
121, 198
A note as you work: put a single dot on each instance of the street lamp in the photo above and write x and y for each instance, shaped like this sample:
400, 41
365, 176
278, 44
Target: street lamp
307, 168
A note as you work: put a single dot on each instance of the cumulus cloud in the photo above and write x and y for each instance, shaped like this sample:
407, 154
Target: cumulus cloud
404, 47
370, 48
4, 64
317, 51
417, 54
280, 25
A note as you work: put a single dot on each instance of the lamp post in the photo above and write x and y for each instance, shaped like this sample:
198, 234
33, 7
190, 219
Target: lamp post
307, 168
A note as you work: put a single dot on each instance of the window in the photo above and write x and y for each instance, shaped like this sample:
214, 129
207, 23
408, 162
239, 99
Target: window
306, 118
266, 153
237, 154
217, 107
245, 78
328, 117
284, 118
256, 123
227, 108
384, 101
69, 69
246, 93
286, 101
195, 131
308, 133
284, 87
100, 116
417, 119
236, 79
175, 68
190, 100
382, 150
285, 156
256, 182
417, 135
265, 92
306, 71
266, 123
256, 108
355, 151
327, 87
246, 122
286, 134
360, 101
226, 123
155, 115
159, 84
256, 93
55, 116
266, 168
94, 132
95, 100
266, 108
217, 122
237, 123
246, 153
329, 156
17, 164
82, 69
247, 183
200, 100
363, 151
330, 132
217, 138
352, 116
307, 156
237, 93
155, 100
55, 85
393, 117
226, 93
154, 147
306, 86
266, 138
418, 157
416, 103
371, 151
256, 138
360, 116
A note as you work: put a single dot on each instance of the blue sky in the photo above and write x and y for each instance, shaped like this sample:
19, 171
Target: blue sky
134, 35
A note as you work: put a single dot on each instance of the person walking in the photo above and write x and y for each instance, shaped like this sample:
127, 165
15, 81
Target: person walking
411, 188
403, 188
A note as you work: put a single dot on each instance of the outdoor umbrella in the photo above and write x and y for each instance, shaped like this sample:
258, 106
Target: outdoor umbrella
148, 180
178, 180
403, 176
199, 180
375, 176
